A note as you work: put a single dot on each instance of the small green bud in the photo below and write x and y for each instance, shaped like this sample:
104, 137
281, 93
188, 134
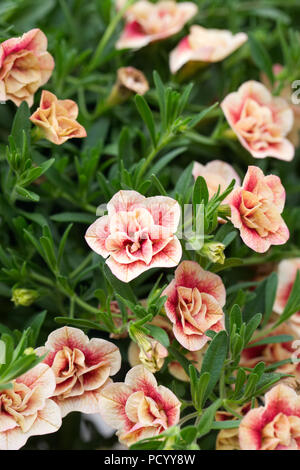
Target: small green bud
214, 251
28, 351
24, 297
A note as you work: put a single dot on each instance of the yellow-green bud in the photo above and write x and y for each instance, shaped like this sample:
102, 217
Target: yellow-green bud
28, 351
214, 251
24, 297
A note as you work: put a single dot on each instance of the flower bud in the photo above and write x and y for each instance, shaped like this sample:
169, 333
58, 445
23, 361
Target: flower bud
129, 81
24, 297
214, 251
153, 357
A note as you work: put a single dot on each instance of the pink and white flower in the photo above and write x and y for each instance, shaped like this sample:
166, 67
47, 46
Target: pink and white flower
260, 121
26, 409
81, 367
275, 426
137, 234
25, 65
139, 408
287, 272
205, 45
147, 22
194, 304
56, 119
256, 209
216, 173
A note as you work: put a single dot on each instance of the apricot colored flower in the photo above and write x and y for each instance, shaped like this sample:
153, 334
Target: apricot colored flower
287, 271
81, 367
256, 209
25, 65
286, 94
205, 45
194, 304
275, 426
26, 409
147, 22
57, 119
216, 173
137, 234
139, 408
260, 121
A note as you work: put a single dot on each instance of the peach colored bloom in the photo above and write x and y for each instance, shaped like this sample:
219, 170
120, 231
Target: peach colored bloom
260, 121
205, 45
137, 234
286, 94
216, 173
139, 408
81, 368
194, 304
26, 409
147, 22
57, 119
287, 271
275, 426
256, 209
25, 65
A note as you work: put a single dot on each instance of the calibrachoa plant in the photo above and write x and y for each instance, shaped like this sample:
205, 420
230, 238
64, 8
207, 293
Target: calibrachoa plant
149, 216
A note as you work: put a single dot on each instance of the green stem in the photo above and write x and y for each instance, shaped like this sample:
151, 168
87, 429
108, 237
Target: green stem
188, 417
106, 37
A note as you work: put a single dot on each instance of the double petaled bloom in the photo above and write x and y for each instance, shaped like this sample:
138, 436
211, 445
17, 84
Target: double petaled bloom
81, 368
260, 121
139, 408
26, 409
275, 426
194, 304
205, 45
57, 119
147, 22
25, 65
137, 234
256, 209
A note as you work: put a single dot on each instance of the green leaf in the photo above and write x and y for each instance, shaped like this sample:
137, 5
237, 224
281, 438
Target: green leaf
271, 340
188, 434
77, 217
252, 325
80, 323
270, 295
261, 57
159, 334
35, 327
207, 419
214, 359
232, 424
147, 116
21, 124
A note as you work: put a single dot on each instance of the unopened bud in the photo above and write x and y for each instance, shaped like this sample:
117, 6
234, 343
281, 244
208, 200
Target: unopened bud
129, 81
214, 251
24, 297
153, 355
28, 351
